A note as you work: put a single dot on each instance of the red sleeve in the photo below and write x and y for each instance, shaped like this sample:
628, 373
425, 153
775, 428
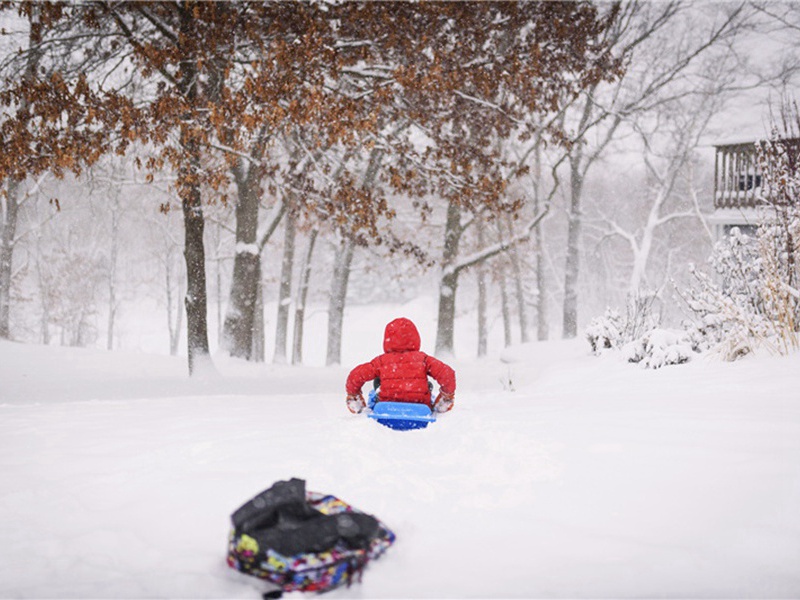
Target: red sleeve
359, 376
444, 375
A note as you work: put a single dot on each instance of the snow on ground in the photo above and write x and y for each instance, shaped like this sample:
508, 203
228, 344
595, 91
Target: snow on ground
558, 474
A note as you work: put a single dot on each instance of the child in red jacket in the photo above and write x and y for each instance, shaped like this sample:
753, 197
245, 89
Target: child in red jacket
403, 372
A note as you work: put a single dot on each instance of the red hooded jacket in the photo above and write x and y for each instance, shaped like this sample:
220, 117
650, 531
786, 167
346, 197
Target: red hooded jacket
403, 369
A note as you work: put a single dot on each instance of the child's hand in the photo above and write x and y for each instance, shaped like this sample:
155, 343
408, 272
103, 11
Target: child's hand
355, 403
443, 402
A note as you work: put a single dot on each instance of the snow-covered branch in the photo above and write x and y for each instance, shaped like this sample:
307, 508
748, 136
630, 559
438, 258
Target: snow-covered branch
162, 27
495, 249
228, 150
272, 222
135, 43
614, 229
687, 214
488, 105
371, 72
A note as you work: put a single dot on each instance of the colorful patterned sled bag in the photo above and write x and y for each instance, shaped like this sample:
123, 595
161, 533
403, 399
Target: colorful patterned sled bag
304, 541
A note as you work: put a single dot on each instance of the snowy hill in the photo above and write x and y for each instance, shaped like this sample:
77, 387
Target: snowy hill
592, 478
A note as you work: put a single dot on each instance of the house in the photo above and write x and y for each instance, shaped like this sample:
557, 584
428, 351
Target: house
738, 186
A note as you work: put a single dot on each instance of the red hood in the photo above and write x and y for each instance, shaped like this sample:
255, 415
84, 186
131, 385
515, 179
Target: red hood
401, 335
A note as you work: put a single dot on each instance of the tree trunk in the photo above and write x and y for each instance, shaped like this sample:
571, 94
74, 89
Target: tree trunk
572, 267
193, 219
519, 291
300, 306
239, 318
483, 333
483, 330
218, 283
9, 206
516, 270
112, 272
542, 325
44, 299
542, 332
579, 166
259, 332
174, 326
45, 325
285, 290
237, 331
448, 283
506, 311
174, 313
196, 301
341, 275
8, 223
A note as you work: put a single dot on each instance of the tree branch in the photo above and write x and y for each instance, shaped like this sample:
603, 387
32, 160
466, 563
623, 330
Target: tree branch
157, 23
272, 224
495, 249
126, 31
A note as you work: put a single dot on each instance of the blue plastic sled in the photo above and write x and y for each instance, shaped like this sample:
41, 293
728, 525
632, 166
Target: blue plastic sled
401, 415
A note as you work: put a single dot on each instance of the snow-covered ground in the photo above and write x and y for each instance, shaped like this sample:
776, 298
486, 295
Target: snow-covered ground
558, 474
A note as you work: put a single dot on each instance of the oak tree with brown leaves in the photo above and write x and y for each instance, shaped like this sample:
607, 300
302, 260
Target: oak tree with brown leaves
215, 82
420, 92
51, 121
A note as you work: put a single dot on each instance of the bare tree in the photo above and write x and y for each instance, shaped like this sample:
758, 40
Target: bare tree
164, 248
669, 128
71, 257
113, 186
661, 42
670, 135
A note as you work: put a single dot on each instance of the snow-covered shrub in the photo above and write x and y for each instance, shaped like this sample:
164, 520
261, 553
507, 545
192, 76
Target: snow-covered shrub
757, 302
637, 336
613, 330
779, 238
605, 333
658, 348
728, 315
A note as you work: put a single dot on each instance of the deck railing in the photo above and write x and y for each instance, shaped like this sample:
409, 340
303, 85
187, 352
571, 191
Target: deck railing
737, 178
737, 175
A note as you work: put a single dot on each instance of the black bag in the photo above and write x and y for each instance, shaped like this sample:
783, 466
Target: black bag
304, 540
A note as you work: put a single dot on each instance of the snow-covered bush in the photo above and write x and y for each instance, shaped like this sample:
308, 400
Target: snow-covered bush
779, 238
613, 330
658, 348
637, 335
728, 315
605, 333
757, 301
